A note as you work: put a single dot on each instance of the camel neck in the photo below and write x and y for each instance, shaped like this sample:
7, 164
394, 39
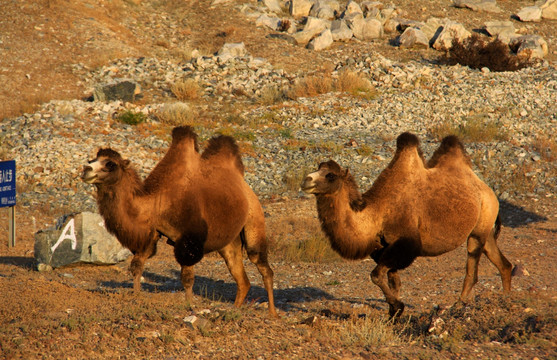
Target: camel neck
350, 230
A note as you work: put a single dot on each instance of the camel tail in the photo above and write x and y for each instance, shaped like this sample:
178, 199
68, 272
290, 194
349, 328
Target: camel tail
497, 227
225, 147
243, 237
181, 133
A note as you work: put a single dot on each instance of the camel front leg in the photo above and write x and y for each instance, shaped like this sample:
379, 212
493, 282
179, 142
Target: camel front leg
474, 248
136, 268
187, 276
394, 282
379, 278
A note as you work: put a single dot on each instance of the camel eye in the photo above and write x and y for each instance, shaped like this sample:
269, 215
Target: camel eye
110, 166
331, 177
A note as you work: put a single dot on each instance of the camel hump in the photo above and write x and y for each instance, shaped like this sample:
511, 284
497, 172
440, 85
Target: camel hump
407, 139
451, 147
223, 146
181, 133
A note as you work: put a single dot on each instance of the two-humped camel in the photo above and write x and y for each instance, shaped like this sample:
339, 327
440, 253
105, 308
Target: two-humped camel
201, 202
412, 209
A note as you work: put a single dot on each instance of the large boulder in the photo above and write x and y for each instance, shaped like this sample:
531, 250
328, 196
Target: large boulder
124, 90
494, 28
529, 14
366, 29
313, 27
322, 41
412, 37
340, 31
529, 46
300, 8
549, 10
452, 31
78, 238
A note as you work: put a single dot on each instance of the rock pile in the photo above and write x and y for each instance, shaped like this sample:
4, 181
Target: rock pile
317, 24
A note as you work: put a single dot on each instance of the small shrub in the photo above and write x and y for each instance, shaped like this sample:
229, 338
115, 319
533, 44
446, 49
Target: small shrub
186, 90
478, 53
131, 117
175, 114
271, 95
312, 86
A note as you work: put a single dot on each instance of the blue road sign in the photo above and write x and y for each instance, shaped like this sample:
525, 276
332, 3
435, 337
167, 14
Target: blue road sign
7, 183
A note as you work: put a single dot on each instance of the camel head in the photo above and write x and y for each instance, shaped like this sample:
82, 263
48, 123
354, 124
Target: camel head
328, 179
106, 168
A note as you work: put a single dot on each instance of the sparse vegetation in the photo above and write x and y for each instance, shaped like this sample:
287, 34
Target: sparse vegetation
131, 117
271, 95
477, 53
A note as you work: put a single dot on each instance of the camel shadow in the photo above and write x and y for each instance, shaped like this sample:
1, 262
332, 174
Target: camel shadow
219, 290
23, 262
514, 216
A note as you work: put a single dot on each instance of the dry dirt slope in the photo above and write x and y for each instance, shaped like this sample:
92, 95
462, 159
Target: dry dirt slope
89, 312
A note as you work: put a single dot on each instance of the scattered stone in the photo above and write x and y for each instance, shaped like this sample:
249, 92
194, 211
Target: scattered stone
124, 90
194, 322
78, 238
519, 270
231, 50
273, 5
268, 21
494, 28
325, 9
530, 13
478, 5
312, 320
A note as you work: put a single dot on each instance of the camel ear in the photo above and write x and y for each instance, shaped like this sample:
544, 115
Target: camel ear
126, 163
346, 173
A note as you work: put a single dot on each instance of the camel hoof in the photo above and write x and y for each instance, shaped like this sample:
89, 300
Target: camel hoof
395, 310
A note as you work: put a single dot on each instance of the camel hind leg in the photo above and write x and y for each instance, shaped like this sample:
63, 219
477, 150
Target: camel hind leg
256, 247
504, 266
232, 255
255, 241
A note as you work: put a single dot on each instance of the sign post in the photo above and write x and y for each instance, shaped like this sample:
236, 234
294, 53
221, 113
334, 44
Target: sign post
7, 195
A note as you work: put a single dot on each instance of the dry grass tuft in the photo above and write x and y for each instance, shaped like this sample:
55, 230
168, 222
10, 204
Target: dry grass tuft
186, 90
355, 84
347, 81
175, 114
478, 53
312, 86
370, 331
475, 128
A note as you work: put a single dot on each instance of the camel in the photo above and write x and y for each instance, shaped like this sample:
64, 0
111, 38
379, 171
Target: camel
412, 209
200, 202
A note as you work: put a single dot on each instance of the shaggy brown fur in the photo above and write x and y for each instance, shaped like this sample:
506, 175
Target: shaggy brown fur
199, 201
411, 210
